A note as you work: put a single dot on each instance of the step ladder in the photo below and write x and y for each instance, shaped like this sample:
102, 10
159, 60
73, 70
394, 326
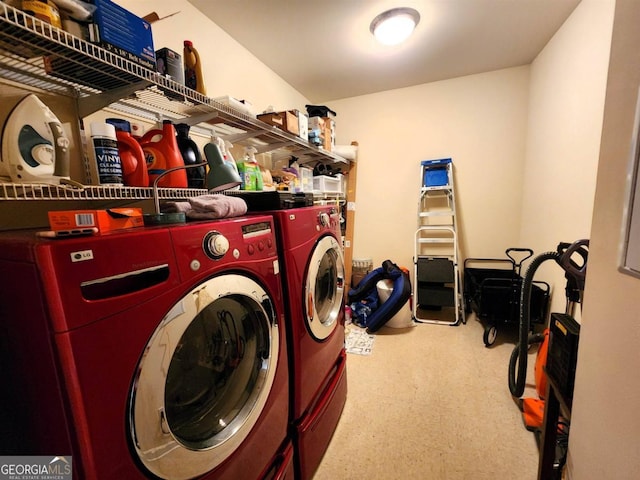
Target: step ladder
437, 296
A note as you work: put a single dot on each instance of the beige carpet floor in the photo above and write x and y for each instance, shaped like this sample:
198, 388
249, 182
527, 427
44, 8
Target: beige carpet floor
431, 402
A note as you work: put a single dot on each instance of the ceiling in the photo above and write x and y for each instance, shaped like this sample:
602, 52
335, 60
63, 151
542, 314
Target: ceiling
324, 49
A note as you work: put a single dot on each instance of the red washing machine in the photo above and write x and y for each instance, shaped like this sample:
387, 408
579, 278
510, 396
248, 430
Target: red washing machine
151, 353
311, 250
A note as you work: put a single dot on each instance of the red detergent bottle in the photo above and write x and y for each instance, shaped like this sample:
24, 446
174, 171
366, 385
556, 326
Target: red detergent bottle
134, 166
162, 154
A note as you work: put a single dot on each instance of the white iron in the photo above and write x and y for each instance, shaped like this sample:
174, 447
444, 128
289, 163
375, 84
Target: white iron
34, 146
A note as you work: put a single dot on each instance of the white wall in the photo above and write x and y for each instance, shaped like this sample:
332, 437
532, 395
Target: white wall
604, 440
479, 121
568, 80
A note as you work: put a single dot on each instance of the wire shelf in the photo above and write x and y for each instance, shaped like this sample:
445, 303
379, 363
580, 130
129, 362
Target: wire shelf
37, 191
37, 54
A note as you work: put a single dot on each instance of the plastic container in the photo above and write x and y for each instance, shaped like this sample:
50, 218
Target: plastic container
106, 165
134, 166
196, 176
403, 318
306, 179
193, 77
323, 183
45, 10
163, 154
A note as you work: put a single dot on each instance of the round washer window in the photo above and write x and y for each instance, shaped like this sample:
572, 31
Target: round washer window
324, 288
204, 377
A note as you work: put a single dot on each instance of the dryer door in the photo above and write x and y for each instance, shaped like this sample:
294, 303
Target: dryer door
204, 377
324, 288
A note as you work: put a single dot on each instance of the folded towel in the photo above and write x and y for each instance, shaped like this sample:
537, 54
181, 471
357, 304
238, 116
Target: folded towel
176, 207
217, 206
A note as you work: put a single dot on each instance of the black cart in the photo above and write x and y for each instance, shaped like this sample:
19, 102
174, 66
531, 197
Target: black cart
492, 289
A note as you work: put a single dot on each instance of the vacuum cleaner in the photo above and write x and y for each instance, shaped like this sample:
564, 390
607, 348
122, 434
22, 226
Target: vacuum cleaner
558, 357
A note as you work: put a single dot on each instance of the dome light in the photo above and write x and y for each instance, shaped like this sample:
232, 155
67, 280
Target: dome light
394, 26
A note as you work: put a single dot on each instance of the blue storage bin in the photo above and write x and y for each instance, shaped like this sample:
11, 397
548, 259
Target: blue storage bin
435, 172
435, 177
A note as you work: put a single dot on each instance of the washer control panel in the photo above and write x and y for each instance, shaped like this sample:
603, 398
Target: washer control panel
328, 218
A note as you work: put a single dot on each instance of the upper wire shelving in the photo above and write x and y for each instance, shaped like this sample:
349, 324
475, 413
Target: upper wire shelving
39, 55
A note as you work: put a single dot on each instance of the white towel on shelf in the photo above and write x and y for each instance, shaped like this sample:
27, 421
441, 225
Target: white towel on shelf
208, 207
176, 207
220, 206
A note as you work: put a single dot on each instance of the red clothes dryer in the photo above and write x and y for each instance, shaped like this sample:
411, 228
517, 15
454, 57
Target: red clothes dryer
151, 353
311, 250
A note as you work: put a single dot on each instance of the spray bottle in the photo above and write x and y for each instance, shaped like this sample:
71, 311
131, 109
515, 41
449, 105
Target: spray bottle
250, 158
224, 146
294, 168
163, 154
193, 77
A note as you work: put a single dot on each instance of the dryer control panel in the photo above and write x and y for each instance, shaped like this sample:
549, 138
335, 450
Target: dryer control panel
202, 247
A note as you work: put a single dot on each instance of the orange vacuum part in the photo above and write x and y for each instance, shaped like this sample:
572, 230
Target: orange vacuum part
533, 408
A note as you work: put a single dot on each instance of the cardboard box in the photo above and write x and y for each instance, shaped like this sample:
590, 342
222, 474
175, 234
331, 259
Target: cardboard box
316, 123
329, 134
123, 33
291, 122
303, 125
287, 121
272, 118
104, 220
169, 64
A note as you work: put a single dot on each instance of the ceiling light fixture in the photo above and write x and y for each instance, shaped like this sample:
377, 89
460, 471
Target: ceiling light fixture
394, 26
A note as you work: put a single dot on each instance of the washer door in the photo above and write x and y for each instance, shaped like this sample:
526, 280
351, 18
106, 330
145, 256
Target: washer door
324, 289
204, 377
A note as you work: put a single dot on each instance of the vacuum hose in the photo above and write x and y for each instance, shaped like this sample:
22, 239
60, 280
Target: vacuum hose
575, 267
519, 355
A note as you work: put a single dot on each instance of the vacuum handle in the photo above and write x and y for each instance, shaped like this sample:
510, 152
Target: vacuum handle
577, 271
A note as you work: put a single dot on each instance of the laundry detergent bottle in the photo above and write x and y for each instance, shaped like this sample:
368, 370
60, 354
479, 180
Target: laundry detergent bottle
193, 77
190, 156
134, 166
161, 153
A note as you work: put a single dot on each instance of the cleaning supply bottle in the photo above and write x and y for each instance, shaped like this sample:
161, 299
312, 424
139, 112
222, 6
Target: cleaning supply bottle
163, 154
294, 167
247, 175
191, 156
224, 146
250, 159
105, 167
134, 166
193, 77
